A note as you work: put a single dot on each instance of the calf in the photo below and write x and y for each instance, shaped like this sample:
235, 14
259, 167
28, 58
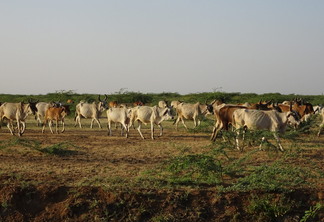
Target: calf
57, 114
152, 115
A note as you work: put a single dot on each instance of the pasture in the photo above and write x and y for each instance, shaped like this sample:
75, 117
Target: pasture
86, 175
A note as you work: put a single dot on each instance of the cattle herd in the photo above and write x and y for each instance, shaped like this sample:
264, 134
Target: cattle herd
270, 116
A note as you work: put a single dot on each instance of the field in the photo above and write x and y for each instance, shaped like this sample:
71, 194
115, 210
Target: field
85, 175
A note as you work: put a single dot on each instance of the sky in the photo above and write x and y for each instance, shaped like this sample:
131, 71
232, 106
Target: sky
156, 46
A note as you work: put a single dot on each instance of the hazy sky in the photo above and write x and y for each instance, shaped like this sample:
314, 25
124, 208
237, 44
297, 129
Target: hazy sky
155, 46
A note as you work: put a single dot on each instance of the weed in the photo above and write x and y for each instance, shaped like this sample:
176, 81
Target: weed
59, 149
269, 207
275, 177
312, 212
194, 169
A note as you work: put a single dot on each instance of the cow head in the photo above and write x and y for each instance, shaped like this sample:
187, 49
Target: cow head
293, 117
103, 104
32, 105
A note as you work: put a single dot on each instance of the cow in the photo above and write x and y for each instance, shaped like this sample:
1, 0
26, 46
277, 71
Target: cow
190, 111
271, 120
118, 115
322, 124
15, 112
152, 115
90, 110
55, 114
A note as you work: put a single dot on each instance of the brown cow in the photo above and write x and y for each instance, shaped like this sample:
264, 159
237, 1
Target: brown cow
57, 114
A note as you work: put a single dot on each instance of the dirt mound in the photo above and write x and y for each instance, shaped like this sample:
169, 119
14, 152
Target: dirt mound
48, 203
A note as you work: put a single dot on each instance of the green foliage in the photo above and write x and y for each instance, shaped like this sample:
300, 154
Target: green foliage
275, 177
59, 149
268, 207
124, 96
312, 212
194, 169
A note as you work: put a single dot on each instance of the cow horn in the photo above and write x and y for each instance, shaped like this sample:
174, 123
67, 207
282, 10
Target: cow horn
106, 97
99, 98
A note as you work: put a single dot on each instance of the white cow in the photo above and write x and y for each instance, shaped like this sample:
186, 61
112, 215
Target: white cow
152, 115
322, 124
15, 112
263, 120
189, 111
90, 110
119, 115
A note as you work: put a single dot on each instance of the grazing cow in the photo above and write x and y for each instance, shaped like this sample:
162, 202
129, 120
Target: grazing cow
152, 115
190, 111
57, 114
322, 124
119, 115
163, 104
272, 120
90, 110
15, 111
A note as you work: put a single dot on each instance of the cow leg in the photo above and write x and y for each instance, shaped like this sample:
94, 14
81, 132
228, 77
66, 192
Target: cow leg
63, 126
237, 143
44, 124
161, 129
50, 126
278, 141
216, 129
97, 120
139, 129
109, 128
262, 141
320, 129
183, 122
124, 127
152, 130
10, 127
56, 126
78, 120
177, 122
23, 128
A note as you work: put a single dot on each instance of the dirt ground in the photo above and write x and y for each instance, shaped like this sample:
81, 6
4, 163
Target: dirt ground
94, 180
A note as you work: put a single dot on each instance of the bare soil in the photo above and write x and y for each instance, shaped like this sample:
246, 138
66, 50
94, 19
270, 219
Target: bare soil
97, 178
